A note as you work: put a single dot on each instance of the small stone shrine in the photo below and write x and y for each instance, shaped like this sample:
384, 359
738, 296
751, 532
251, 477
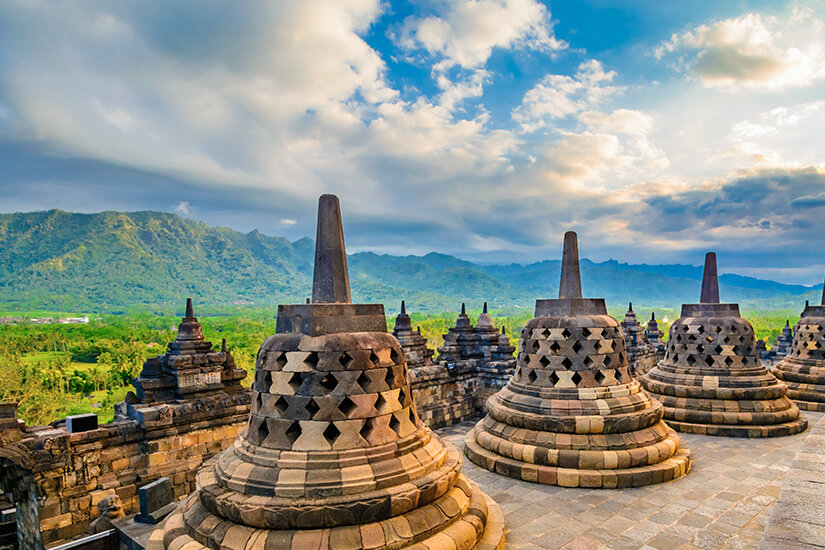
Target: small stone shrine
190, 367
784, 343
803, 369
414, 345
711, 380
641, 356
654, 336
334, 455
572, 415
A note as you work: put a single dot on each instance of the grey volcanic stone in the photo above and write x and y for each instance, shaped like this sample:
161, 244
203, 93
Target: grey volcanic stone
710, 281
330, 283
570, 285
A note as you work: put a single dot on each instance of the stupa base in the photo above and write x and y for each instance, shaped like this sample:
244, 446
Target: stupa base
465, 517
739, 430
669, 469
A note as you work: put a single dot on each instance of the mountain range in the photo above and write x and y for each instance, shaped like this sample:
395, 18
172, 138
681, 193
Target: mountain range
114, 261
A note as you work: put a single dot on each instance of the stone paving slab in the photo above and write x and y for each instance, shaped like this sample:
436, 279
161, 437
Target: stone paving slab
724, 502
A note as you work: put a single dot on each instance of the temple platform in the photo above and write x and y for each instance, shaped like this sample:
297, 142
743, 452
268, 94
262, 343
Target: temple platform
727, 501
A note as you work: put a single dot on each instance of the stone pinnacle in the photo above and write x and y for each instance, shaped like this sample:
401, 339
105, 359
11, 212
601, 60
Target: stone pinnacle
485, 308
190, 313
223, 345
630, 306
823, 295
710, 281
570, 285
463, 309
330, 283
652, 315
403, 308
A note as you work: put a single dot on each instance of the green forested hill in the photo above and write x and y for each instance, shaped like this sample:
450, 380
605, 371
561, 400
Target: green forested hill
113, 261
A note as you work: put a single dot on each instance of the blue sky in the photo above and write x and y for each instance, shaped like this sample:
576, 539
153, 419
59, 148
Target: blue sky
480, 128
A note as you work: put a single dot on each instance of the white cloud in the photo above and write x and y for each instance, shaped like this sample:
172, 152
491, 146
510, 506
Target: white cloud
287, 222
182, 208
464, 34
557, 96
751, 51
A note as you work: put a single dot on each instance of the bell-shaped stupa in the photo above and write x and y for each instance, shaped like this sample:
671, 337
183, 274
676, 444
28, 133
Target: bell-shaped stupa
711, 380
803, 369
572, 415
334, 455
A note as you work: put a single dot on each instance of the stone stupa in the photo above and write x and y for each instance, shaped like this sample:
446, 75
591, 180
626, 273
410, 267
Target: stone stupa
572, 415
412, 342
711, 380
334, 455
803, 369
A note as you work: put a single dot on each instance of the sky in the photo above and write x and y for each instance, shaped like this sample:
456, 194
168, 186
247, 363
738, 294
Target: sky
479, 128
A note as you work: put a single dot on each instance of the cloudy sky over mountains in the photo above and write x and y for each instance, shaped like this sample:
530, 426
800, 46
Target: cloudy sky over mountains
481, 128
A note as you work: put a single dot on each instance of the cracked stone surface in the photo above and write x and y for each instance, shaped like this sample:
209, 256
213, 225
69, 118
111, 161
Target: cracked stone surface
725, 502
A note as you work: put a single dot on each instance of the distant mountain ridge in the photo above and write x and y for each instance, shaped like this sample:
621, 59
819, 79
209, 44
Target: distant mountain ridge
110, 261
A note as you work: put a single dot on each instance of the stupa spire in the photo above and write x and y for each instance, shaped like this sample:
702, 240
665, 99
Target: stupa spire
484, 310
403, 308
823, 296
630, 306
330, 282
463, 309
710, 281
570, 285
190, 312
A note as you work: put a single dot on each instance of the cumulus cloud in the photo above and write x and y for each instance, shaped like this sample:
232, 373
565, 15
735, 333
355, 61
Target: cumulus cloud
463, 35
752, 50
182, 208
287, 222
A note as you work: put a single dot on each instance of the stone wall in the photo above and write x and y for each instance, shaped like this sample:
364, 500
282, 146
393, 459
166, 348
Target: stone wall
56, 478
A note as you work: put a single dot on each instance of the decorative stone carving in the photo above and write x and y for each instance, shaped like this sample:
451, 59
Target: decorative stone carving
108, 509
711, 380
572, 415
334, 454
641, 356
803, 369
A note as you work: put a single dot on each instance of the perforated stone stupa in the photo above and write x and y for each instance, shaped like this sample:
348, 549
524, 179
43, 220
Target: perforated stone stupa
572, 415
803, 369
641, 356
334, 455
412, 342
711, 380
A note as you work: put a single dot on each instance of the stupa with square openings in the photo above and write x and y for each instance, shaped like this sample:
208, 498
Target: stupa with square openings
334, 455
572, 414
711, 380
803, 369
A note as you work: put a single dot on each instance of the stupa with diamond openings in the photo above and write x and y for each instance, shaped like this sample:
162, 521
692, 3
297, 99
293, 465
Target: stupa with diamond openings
803, 369
572, 415
711, 380
334, 455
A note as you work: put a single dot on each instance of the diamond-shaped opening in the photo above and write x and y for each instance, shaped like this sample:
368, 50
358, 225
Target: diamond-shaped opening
577, 346
266, 383
281, 405
718, 329
587, 361
691, 338
741, 339
544, 361
331, 433
718, 349
728, 360
347, 406
402, 397
364, 381
345, 359
733, 328
390, 378
726, 339
534, 345
700, 329
691, 359
374, 358
700, 348
263, 432
395, 424
312, 360
293, 432
675, 357
709, 360
545, 333
608, 360
394, 357
329, 382
554, 377
295, 381
366, 429
679, 338
532, 376
412, 416
565, 333
585, 332
567, 363
600, 377
259, 402
380, 403
555, 347
280, 361
312, 407
576, 378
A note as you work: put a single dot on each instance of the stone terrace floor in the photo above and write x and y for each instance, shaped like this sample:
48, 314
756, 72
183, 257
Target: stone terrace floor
724, 502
